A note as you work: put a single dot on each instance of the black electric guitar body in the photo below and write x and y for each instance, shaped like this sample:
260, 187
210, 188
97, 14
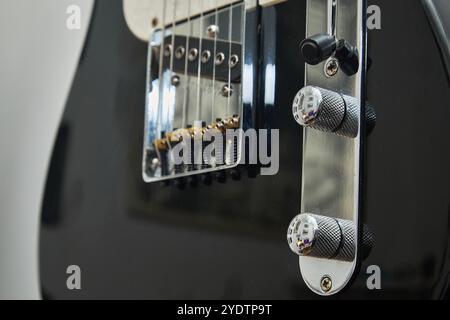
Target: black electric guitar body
227, 240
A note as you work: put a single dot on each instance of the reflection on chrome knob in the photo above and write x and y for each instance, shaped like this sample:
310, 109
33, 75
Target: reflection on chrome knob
324, 237
330, 111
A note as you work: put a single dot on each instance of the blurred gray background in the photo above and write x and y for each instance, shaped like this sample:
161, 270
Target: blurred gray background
38, 59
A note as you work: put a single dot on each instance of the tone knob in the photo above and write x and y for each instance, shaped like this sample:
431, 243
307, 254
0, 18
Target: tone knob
330, 111
328, 238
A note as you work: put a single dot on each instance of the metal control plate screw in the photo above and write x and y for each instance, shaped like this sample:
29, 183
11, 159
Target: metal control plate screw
326, 284
331, 67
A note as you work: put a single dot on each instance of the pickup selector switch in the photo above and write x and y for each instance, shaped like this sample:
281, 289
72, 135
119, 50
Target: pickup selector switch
321, 47
318, 48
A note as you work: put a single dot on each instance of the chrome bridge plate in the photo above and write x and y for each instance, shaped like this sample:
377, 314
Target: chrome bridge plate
194, 92
332, 165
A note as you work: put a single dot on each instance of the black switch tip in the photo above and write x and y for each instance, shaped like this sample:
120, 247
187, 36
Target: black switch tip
348, 57
318, 48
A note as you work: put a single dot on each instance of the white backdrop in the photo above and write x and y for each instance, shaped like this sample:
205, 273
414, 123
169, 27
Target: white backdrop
38, 59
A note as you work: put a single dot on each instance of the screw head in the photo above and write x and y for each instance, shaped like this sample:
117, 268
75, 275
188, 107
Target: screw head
193, 54
212, 31
154, 164
155, 22
167, 50
175, 80
326, 284
179, 53
331, 67
227, 91
206, 56
234, 60
219, 59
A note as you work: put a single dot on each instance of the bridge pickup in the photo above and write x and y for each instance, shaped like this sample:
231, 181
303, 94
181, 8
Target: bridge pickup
216, 59
198, 71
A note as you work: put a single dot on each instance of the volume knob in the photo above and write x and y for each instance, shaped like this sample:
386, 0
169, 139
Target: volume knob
327, 238
329, 111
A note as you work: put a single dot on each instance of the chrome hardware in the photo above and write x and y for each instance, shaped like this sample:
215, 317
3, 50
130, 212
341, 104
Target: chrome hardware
179, 52
325, 237
227, 90
206, 56
330, 111
219, 59
327, 111
234, 60
168, 50
192, 91
331, 67
212, 31
326, 284
330, 108
193, 54
302, 233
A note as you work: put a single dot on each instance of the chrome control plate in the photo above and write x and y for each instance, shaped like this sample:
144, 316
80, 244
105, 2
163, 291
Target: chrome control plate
332, 164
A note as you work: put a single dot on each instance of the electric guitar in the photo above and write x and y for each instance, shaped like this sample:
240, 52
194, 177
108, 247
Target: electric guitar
220, 149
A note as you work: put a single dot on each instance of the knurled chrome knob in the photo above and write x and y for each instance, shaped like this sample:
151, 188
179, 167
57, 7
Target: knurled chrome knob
324, 237
329, 111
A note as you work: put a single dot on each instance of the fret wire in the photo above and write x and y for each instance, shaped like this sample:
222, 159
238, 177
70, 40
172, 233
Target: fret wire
200, 49
187, 79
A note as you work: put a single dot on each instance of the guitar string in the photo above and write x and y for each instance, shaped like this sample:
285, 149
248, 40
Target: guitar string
332, 16
160, 70
172, 54
230, 36
200, 46
186, 64
172, 74
173, 27
161, 88
213, 99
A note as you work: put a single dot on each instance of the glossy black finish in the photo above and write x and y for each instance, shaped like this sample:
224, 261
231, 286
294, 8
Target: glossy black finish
438, 12
134, 240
